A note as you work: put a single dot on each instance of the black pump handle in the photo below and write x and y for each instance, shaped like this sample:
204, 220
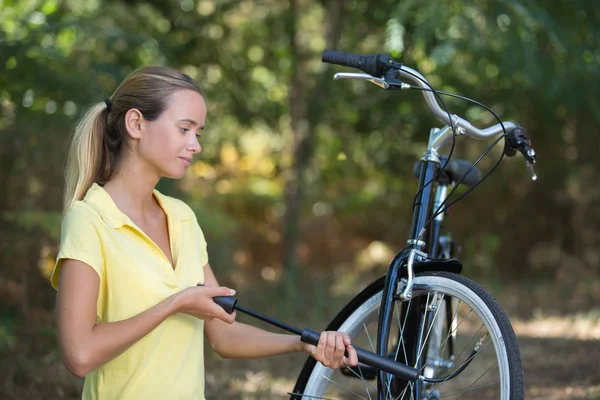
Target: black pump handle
366, 357
229, 304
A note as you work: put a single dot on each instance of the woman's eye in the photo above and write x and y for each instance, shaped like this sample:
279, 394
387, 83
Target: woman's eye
183, 130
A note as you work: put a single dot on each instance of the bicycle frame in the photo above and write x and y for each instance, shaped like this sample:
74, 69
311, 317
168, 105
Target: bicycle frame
422, 212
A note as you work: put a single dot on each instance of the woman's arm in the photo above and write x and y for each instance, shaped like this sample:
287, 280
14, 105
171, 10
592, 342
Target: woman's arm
86, 344
239, 340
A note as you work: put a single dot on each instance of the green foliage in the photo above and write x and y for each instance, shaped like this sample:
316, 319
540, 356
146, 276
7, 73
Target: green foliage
259, 65
47, 222
7, 334
534, 62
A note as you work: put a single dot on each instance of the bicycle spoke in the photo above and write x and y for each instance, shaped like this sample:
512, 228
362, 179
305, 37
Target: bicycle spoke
451, 323
362, 377
422, 329
470, 390
450, 333
345, 388
388, 383
369, 337
401, 327
411, 385
429, 331
401, 342
469, 342
486, 371
438, 385
455, 329
401, 395
309, 396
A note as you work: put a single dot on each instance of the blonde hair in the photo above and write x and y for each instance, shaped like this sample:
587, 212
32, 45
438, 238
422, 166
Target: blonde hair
98, 136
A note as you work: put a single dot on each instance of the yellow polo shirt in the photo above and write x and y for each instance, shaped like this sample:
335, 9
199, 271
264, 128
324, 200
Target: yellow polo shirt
135, 275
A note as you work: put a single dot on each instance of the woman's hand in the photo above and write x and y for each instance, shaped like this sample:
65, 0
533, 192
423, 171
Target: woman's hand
331, 348
198, 301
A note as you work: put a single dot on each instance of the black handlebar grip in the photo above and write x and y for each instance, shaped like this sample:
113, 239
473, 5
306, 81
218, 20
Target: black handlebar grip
339, 58
368, 63
227, 302
366, 357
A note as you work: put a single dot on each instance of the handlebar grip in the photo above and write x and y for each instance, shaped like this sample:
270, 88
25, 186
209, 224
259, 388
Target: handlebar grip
368, 64
366, 357
340, 58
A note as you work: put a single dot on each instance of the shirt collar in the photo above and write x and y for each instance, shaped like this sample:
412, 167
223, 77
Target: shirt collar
98, 198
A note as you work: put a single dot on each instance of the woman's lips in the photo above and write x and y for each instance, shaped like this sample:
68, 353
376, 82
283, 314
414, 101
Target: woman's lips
186, 160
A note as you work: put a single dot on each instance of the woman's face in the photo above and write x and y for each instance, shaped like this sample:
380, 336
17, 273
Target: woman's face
168, 143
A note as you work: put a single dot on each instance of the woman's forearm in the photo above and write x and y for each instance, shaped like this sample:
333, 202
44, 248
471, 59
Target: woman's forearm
244, 341
106, 341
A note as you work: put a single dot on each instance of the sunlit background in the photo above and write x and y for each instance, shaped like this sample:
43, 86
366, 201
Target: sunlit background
304, 186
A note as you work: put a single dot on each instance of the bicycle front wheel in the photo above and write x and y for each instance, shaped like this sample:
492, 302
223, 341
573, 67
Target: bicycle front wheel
461, 341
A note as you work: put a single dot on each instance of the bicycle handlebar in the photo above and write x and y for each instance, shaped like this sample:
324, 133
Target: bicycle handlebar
384, 71
461, 125
377, 64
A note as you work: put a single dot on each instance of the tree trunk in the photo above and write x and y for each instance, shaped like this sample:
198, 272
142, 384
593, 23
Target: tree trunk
304, 118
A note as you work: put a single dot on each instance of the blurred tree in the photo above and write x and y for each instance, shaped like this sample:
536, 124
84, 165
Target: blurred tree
303, 177
289, 153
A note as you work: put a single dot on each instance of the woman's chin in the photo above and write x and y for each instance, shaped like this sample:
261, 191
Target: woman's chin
174, 174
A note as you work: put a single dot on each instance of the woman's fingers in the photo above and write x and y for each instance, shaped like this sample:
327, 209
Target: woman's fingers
331, 350
321, 347
228, 318
352, 358
219, 291
199, 301
216, 291
340, 348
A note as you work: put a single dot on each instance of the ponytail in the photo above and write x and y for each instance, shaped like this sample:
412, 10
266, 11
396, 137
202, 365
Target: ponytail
86, 155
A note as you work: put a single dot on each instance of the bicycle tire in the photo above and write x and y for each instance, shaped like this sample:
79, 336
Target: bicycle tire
315, 380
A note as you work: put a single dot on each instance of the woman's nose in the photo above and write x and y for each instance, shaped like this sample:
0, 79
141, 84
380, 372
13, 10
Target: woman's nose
195, 146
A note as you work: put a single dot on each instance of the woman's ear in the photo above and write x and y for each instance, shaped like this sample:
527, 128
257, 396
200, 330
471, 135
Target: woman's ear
133, 123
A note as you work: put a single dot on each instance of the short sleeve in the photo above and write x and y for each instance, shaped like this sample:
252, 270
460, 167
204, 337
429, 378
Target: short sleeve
79, 240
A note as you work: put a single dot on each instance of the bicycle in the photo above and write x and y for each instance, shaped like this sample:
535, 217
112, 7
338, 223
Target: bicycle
437, 334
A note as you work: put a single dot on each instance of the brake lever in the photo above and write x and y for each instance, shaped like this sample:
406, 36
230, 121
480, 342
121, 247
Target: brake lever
530, 159
381, 82
518, 140
531, 171
361, 77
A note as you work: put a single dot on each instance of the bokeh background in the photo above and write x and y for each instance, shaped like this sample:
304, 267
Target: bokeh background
304, 187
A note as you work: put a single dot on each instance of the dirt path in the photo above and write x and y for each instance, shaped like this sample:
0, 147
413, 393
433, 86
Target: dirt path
561, 360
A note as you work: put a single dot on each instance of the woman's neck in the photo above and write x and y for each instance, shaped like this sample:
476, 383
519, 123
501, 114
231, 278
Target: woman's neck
131, 189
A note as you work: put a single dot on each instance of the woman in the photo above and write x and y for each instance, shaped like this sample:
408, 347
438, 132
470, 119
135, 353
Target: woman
131, 317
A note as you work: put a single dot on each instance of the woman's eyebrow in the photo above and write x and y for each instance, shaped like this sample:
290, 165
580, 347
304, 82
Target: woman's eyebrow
191, 121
